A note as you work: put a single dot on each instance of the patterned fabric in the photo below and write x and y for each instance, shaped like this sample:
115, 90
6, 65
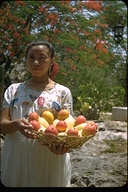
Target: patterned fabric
24, 162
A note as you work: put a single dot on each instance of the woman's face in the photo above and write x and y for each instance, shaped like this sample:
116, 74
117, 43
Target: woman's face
39, 60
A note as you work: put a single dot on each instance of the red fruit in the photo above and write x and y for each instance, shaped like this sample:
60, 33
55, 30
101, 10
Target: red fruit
92, 122
72, 132
33, 116
80, 119
51, 129
61, 126
35, 125
89, 129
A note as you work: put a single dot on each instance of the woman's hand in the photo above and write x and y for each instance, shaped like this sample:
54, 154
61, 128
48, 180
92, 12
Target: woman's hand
9, 126
61, 149
26, 129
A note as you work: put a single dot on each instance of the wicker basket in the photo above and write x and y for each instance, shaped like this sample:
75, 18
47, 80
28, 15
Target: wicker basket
71, 142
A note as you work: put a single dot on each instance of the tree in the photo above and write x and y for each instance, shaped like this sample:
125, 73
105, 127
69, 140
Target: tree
81, 32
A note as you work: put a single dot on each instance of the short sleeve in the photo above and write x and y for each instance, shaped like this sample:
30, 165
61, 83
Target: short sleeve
67, 100
8, 97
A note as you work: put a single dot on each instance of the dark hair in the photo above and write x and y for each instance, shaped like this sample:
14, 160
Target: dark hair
40, 42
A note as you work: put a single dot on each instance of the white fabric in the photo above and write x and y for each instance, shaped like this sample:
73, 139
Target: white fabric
25, 162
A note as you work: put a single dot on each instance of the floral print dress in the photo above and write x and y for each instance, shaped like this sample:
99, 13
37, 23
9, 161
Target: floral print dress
25, 162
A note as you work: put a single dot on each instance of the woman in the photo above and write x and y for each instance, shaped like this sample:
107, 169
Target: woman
25, 162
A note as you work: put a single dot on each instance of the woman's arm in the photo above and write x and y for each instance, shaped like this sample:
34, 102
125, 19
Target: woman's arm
8, 126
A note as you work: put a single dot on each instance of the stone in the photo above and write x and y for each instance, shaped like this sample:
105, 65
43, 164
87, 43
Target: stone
119, 113
96, 168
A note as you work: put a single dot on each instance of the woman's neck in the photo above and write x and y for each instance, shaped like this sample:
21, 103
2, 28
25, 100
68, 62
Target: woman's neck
40, 83
39, 80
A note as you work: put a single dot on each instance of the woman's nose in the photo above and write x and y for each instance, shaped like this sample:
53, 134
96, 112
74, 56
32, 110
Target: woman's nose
36, 62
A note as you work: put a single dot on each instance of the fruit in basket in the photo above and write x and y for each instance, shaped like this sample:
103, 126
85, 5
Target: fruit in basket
89, 129
33, 116
51, 129
42, 129
63, 114
48, 116
80, 119
93, 123
70, 121
80, 133
35, 124
55, 121
80, 126
62, 134
61, 126
43, 122
72, 132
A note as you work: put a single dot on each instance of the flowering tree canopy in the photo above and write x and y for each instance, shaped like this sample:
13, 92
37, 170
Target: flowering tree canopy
81, 32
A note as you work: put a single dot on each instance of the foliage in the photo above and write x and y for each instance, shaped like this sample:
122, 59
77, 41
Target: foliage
117, 145
90, 63
98, 94
98, 99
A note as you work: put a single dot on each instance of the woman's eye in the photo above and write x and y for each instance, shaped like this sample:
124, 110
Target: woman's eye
31, 57
42, 57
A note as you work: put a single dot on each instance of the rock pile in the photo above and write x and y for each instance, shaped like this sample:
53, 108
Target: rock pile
102, 161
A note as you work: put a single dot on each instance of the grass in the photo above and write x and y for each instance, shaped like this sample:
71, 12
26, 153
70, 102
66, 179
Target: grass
117, 145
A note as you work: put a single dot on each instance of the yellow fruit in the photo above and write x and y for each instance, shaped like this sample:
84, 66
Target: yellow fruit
48, 116
62, 134
42, 129
80, 133
43, 122
80, 126
55, 121
70, 121
63, 114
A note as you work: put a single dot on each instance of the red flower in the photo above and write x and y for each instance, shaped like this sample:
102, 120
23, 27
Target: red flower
40, 101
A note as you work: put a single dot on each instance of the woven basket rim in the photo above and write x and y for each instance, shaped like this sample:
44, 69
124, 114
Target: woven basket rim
72, 142
60, 136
